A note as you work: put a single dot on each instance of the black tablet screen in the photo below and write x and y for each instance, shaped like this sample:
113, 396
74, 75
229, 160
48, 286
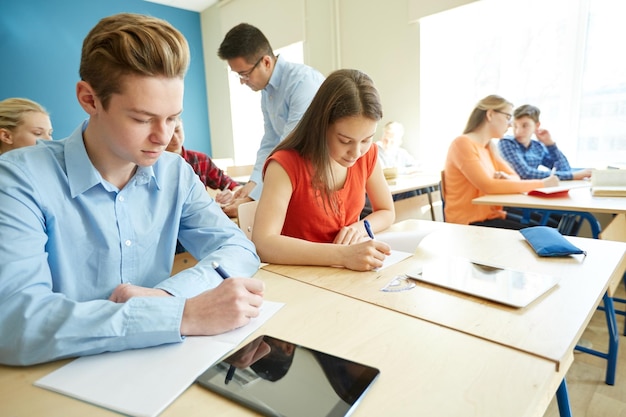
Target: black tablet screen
279, 378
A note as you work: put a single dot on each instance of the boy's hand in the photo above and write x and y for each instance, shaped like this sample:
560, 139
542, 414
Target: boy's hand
544, 137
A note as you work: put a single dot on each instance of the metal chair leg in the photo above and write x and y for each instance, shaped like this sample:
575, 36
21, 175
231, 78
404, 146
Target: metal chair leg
611, 355
562, 399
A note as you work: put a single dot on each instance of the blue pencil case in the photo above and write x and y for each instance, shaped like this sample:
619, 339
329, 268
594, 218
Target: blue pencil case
547, 241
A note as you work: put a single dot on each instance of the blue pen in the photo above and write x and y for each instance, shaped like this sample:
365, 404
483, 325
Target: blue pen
230, 374
218, 268
368, 228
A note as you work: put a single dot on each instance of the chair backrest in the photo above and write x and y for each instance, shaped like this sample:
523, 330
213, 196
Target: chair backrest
442, 192
245, 216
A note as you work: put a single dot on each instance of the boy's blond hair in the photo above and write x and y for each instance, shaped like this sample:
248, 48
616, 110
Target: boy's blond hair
131, 44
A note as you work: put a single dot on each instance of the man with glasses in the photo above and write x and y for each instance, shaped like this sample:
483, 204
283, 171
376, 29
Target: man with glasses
286, 91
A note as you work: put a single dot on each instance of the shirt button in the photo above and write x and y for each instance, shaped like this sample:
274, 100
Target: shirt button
127, 242
120, 198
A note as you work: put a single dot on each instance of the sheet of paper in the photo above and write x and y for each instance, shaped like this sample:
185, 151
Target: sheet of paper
143, 382
395, 257
406, 241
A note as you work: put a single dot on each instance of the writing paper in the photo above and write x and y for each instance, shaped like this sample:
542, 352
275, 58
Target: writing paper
143, 382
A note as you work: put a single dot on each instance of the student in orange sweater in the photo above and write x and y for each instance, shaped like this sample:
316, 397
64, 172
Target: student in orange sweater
473, 168
316, 179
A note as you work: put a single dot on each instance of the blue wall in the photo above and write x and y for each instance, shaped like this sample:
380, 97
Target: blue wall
40, 43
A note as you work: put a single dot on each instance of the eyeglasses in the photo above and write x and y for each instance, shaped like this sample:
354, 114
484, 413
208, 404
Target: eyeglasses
509, 116
246, 74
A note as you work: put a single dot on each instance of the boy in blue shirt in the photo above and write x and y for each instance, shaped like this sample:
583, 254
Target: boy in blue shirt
526, 155
89, 224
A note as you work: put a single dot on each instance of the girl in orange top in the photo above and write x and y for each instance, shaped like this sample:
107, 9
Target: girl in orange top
316, 179
474, 168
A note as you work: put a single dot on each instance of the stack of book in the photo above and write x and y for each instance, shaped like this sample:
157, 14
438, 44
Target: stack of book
608, 183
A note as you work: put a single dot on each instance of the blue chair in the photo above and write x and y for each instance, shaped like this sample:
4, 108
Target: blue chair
569, 223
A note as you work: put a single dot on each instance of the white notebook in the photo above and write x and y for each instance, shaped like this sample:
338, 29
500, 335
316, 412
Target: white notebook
502, 285
608, 183
143, 382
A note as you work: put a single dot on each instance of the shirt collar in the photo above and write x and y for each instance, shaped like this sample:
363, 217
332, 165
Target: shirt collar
277, 74
81, 173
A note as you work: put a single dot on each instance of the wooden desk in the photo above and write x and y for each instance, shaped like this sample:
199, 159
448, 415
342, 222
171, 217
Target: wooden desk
578, 199
548, 328
425, 369
411, 182
416, 182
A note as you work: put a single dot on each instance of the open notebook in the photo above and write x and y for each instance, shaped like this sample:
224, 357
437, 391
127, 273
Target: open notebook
502, 285
558, 191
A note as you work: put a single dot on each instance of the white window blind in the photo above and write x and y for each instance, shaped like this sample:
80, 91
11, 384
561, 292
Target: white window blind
558, 55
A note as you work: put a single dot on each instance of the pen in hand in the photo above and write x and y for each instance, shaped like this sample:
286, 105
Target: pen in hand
218, 268
230, 374
368, 228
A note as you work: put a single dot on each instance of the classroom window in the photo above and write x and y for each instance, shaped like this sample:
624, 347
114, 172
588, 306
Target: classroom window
247, 117
557, 55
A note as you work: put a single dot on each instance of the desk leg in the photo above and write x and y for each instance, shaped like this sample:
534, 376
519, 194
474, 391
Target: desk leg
621, 301
430, 202
562, 399
611, 322
611, 356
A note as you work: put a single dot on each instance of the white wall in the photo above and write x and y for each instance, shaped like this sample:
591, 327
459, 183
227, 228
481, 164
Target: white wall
379, 37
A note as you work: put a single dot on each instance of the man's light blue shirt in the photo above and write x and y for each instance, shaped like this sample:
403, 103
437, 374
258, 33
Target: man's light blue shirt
69, 238
284, 100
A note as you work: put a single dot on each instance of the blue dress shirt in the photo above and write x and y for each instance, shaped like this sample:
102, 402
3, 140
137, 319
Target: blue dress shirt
69, 238
284, 100
526, 161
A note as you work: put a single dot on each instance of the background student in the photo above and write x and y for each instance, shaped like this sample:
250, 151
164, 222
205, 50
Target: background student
526, 155
391, 154
89, 224
22, 122
316, 179
209, 173
286, 90
473, 168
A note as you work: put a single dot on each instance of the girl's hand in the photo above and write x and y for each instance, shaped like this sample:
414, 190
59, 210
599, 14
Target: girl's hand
365, 256
349, 235
501, 175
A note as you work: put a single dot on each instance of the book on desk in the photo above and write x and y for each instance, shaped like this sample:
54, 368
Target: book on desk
608, 183
559, 191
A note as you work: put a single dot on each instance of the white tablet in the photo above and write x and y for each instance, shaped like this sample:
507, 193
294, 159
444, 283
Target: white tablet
279, 378
503, 285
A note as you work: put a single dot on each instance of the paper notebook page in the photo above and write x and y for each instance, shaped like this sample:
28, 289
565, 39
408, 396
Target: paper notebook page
395, 257
143, 382
403, 241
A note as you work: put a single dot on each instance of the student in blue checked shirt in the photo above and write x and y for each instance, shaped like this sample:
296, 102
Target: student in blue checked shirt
526, 154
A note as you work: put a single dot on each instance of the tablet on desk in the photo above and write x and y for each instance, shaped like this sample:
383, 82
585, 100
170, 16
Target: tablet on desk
502, 285
279, 378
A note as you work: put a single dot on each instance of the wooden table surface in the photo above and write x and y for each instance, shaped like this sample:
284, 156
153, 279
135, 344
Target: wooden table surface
425, 369
410, 182
578, 199
549, 327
